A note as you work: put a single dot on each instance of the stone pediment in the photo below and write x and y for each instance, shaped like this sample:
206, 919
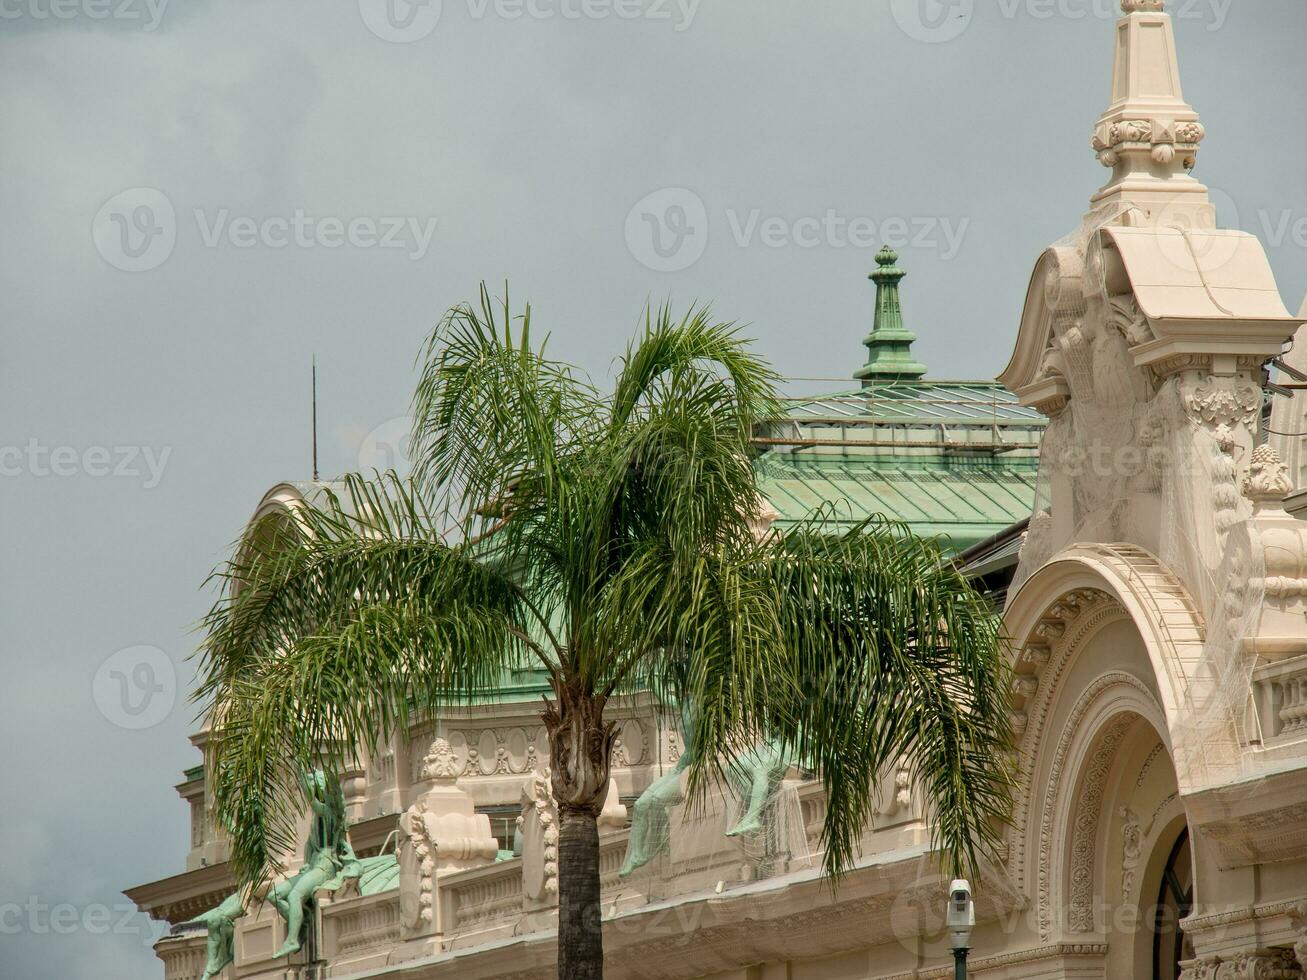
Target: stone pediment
1173, 291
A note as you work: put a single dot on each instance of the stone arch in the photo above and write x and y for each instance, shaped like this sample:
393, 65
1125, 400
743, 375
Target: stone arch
1163, 612
1099, 638
1077, 801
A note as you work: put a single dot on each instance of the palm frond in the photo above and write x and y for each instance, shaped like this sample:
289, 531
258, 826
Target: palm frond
490, 409
334, 636
891, 658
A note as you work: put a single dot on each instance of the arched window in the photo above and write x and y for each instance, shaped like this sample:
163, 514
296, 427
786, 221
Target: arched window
1175, 900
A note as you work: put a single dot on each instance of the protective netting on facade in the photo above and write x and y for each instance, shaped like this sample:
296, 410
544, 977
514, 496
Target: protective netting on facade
1154, 465
724, 838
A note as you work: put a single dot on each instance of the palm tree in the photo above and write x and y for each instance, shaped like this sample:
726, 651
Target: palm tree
612, 539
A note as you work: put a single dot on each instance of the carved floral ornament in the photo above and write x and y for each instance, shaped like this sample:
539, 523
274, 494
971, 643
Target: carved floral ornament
1259, 964
1165, 137
1268, 477
1226, 402
440, 762
1035, 655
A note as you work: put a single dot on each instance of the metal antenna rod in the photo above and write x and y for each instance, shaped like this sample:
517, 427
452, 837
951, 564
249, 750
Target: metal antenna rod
315, 418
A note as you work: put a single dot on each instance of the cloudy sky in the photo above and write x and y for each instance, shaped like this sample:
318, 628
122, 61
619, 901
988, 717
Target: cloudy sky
197, 196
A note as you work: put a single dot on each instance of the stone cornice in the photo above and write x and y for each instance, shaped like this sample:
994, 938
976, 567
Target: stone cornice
184, 896
1260, 821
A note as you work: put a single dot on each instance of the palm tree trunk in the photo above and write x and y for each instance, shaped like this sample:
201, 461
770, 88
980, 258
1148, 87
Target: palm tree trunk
580, 753
580, 916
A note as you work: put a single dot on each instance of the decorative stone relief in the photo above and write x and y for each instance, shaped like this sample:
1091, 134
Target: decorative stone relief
1224, 403
1090, 610
1132, 845
1081, 886
1085, 829
442, 832
1149, 122
538, 825
631, 746
1148, 764
1278, 634
1300, 923
439, 762
896, 805
1130, 320
1266, 837
1268, 478
491, 751
1261, 964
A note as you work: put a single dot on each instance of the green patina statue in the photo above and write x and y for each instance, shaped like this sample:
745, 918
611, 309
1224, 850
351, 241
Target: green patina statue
650, 821
754, 776
329, 861
220, 923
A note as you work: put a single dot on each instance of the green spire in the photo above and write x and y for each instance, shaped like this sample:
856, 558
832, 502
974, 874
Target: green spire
889, 344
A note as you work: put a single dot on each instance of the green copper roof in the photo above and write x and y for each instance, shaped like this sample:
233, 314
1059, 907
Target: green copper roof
889, 345
962, 501
918, 400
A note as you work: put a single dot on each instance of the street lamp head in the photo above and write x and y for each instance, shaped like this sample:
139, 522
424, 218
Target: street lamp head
961, 916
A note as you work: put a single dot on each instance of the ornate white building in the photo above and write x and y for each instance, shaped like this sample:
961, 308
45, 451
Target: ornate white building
1159, 628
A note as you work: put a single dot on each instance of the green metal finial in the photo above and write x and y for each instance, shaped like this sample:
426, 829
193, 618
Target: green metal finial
889, 344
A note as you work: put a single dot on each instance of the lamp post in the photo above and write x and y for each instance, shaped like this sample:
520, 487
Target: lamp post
960, 919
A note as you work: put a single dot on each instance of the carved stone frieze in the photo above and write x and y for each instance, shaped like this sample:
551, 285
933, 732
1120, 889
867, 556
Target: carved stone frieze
1081, 875
1084, 838
1091, 610
1261, 964
1132, 849
488, 751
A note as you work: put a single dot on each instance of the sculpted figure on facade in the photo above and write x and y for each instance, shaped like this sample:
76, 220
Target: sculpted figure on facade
651, 816
328, 862
753, 775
